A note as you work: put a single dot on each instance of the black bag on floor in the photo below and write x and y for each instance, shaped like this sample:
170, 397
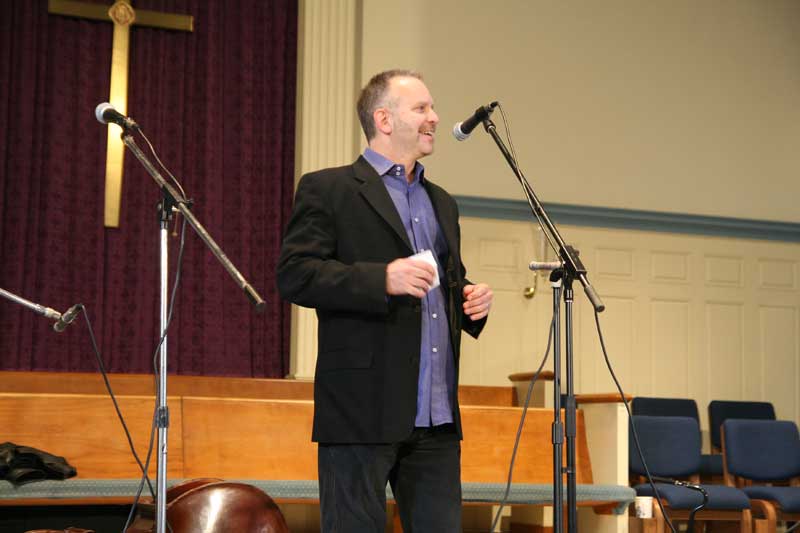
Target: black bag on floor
23, 464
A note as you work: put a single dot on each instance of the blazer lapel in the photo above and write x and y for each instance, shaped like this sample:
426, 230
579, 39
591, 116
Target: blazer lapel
448, 219
374, 191
448, 223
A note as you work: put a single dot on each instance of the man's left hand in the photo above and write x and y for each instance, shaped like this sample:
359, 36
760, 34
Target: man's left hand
477, 300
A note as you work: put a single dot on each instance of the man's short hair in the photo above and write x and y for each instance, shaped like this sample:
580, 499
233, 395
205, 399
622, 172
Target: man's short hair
373, 96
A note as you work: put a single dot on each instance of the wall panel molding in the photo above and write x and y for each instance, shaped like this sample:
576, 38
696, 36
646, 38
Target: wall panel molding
669, 267
779, 274
724, 271
633, 219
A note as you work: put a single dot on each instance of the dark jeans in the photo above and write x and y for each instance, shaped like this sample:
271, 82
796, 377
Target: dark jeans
424, 472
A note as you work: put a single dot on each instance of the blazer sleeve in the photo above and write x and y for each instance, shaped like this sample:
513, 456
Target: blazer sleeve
473, 327
309, 273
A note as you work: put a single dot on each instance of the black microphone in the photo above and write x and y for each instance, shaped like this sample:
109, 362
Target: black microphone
677, 483
67, 318
462, 130
106, 113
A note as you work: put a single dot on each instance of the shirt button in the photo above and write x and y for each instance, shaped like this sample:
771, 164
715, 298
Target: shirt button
434, 315
416, 219
435, 350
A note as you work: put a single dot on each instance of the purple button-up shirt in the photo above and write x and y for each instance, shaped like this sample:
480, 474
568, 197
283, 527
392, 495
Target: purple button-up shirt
436, 365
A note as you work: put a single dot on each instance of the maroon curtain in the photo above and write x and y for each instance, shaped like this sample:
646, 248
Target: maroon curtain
218, 105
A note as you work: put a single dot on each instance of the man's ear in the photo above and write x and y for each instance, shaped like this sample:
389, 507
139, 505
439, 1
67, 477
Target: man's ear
383, 120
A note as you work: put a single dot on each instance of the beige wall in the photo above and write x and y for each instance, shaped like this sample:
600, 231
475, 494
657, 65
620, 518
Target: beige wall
687, 106
678, 106
681, 106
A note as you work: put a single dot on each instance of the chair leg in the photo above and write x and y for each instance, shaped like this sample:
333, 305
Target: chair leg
765, 509
747, 521
658, 517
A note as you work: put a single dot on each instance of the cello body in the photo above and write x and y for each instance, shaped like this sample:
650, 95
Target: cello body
214, 506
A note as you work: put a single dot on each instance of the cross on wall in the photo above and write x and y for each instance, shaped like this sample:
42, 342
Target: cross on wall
123, 16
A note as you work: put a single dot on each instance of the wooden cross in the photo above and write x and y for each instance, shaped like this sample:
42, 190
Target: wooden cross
123, 16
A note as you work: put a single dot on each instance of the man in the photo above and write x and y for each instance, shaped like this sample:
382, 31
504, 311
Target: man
385, 390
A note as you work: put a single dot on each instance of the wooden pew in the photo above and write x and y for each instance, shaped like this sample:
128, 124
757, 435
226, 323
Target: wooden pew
236, 428
247, 438
215, 387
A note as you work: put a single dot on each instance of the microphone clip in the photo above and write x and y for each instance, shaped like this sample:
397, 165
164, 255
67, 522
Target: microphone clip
67, 318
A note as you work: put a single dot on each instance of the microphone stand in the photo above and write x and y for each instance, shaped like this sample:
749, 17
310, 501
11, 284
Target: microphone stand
571, 270
46, 312
173, 200
557, 282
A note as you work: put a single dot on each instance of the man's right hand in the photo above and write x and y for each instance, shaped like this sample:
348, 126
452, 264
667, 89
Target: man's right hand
409, 276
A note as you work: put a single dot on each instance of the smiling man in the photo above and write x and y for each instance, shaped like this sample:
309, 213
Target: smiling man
374, 247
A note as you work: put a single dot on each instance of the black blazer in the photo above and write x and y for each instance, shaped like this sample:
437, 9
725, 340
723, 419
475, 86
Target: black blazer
343, 231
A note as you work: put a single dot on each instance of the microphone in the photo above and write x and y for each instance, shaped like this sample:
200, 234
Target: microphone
545, 265
667, 480
462, 130
677, 483
106, 113
67, 318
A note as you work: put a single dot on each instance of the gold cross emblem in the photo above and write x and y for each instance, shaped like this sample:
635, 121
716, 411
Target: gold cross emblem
123, 16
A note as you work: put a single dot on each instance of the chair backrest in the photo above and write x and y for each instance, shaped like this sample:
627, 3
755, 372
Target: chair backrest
720, 410
643, 405
670, 445
761, 450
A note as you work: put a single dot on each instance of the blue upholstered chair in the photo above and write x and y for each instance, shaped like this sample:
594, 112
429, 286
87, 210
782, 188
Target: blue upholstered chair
646, 406
721, 410
758, 455
710, 464
671, 447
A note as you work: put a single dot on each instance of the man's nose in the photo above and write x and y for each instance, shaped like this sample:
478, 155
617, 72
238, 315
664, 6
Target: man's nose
433, 117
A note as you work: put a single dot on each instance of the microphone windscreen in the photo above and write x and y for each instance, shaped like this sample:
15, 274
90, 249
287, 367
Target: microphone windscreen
100, 110
458, 134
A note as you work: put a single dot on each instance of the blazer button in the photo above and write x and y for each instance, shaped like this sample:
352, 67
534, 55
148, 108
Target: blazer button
417, 308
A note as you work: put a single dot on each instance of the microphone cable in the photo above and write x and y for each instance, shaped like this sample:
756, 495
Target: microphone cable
631, 424
158, 159
144, 467
524, 181
163, 336
504, 500
688, 485
602, 344
101, 366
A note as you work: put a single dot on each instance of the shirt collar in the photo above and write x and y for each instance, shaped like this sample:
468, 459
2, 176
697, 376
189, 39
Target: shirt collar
384, 166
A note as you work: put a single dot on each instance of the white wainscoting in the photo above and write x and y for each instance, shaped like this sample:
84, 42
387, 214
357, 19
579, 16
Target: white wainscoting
687, 316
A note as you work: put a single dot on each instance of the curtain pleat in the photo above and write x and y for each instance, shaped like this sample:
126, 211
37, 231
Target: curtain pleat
218, 104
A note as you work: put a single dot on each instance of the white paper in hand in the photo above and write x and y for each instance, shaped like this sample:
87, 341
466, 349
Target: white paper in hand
427, 256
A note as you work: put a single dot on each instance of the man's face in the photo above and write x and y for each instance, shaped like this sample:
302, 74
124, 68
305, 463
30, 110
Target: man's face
413, 118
